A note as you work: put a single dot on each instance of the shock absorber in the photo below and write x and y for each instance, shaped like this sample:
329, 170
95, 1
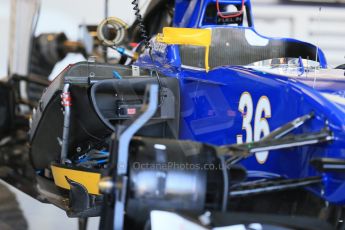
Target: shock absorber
66, 102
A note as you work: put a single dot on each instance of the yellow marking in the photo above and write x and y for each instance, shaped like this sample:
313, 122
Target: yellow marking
187, 36
89, 180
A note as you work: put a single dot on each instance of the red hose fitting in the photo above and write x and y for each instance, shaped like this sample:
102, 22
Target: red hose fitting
66, 99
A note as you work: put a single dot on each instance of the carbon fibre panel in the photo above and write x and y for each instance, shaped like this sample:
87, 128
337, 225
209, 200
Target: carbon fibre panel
233, 46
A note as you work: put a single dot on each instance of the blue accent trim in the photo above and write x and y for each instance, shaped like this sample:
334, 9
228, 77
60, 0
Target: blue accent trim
104, 152
116, 75
102, 161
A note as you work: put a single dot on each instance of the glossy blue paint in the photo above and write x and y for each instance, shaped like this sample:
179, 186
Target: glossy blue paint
190, 14
210, 113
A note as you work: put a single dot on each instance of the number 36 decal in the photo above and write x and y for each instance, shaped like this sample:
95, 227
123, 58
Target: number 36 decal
261, 126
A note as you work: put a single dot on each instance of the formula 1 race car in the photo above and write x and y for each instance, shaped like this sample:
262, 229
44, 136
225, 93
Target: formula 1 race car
213, 125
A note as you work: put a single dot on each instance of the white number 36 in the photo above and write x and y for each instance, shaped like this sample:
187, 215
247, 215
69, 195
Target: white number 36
261, 126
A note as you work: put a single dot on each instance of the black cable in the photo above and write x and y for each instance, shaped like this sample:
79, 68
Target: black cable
146, 40
158, 80
141, 25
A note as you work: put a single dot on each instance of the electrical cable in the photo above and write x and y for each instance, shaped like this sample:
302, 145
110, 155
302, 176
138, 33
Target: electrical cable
141, 25
96, 157
147, 44
231, 15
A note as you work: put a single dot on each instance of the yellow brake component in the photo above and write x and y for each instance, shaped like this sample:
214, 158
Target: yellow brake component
187, 36
88, 179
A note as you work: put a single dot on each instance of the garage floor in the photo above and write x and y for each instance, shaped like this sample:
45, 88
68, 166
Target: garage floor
46, 216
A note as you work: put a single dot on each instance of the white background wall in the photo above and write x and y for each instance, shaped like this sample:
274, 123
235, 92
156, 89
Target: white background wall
66, 15
327, 29
4, 25
63, 16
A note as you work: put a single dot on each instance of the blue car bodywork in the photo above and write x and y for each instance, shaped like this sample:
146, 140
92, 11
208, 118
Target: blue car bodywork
236, 103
